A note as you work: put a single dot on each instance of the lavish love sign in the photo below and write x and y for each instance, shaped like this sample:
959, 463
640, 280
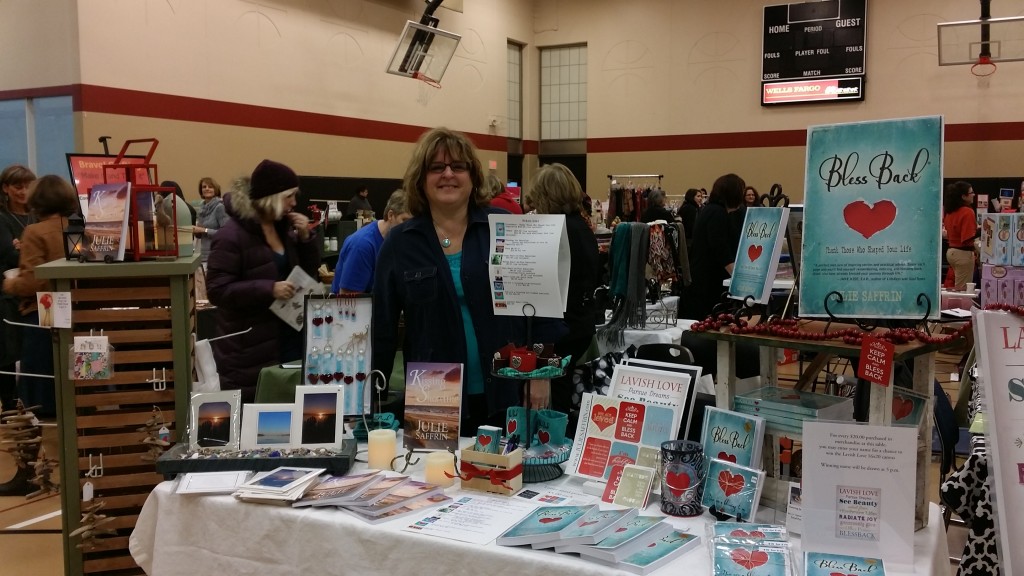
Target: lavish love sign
869, 220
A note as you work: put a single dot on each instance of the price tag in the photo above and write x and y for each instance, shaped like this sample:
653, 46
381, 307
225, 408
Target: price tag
91, 344
876, 360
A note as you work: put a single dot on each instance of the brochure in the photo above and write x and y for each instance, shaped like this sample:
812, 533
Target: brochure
757, 258
733, 489
529, 264
542, 525
433, 404
476, 519
291, 310
732, 436
859, 488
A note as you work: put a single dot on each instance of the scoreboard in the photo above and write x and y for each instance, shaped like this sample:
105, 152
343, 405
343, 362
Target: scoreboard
813, 52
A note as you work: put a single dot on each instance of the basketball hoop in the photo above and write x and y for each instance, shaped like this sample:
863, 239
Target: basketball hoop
426, 79
983, 67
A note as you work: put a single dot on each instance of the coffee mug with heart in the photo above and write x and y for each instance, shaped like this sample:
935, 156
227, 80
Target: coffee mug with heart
682, 477
551, 425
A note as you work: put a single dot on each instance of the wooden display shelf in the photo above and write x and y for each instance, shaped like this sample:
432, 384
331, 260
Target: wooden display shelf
147, 311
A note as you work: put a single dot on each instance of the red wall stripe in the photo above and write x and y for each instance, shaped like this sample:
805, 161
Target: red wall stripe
89, 98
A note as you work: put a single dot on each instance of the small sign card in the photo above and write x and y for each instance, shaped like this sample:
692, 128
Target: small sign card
524, 267
876, 360
858, 490
54, 309
655, 386
433, 403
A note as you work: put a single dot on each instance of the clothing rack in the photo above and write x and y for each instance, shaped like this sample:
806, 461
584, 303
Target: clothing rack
635, 205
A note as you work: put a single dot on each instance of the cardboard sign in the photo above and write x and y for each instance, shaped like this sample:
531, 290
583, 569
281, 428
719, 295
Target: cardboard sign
876, 360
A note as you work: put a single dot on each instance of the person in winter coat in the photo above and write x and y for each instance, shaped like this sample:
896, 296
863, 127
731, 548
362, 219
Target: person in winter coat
251, 257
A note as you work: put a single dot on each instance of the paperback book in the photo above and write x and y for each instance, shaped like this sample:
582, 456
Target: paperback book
420, 505
335, 490
398, 497
623, 541
764, 559
106, 222
379, 490
433, 404
732, 436
821, 406
733, 489
591, 528
654, 553
757, 257
822, 564
542, 525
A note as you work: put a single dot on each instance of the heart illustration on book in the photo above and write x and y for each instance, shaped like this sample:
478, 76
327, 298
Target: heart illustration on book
588, 523
730, 483
677, 482
869, 220
748, 559
841, 574
543, 436
512, 425
745, 534
603, 417
901, 407
729, 457
754, 252
621, 529
548, 520
483, 440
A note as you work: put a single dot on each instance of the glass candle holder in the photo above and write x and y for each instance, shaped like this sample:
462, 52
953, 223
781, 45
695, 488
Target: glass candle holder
683, 470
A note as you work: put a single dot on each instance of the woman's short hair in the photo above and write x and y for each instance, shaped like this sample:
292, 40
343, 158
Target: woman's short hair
397, 204
555, 190
212, 183
656, 197
52, 194
953, 196
459, 148
728, 190
16, 174
494, 186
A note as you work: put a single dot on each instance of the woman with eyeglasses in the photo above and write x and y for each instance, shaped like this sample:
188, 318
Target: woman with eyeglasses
251, 257
434, 270
15, 216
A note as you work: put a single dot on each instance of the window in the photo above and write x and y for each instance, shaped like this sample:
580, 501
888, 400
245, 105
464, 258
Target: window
563, 93
515, 90
38, 132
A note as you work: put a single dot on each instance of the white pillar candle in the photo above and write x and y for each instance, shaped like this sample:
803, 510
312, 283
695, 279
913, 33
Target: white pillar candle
381, 449
437, 464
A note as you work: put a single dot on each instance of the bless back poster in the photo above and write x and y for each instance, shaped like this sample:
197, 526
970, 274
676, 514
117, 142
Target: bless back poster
872, 219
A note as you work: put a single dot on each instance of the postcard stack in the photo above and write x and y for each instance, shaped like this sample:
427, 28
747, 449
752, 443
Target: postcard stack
617, 538
785, 410
374, 496
280, 486
749, 549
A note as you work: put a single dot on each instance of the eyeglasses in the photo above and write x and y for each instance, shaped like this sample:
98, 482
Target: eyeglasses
439, 167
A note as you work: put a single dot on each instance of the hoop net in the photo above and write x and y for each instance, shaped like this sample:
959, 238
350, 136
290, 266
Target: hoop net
429, 81
983, 67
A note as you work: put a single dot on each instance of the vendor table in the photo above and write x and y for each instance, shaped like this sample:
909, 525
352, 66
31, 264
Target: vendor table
190, 535
879, 412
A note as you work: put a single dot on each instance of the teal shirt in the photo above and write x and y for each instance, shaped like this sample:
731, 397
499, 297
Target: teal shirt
474, 376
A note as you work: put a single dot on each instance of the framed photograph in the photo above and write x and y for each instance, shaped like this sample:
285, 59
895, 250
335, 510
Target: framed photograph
319, 416
267, 426
214, 420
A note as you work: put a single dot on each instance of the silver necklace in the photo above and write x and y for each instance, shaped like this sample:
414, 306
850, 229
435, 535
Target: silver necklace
446, 243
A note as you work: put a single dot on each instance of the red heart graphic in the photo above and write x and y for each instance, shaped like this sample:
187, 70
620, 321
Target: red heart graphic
901, 407
652, 544
748, 559
869, 220
602, 417
312, 378
543, 436
588, 523
841, 574
548, 520
745, 534
484, 441
729, 457
754, 252
730, 483
622, 529
677, 482
512, 424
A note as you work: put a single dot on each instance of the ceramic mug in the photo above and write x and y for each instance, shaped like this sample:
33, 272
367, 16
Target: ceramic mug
683, 470
551, 425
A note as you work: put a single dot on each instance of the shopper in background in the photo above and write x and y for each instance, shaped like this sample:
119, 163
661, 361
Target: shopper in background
554, 190
211, 216
15, 181
656, 207
715, 239
688, 213
51, 200
358, 257
502, 197
359, 201
252, 255
961, 227
751, 197
434, 270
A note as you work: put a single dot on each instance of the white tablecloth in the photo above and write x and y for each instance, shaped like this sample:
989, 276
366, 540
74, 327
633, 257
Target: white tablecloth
197, 535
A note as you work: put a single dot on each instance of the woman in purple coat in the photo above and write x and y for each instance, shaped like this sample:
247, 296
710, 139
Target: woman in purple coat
250, 258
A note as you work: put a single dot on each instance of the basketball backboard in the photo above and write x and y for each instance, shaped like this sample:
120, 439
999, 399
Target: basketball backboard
962, 43
423, 52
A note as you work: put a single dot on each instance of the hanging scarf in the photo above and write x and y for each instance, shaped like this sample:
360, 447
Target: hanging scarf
660, 256
629, 307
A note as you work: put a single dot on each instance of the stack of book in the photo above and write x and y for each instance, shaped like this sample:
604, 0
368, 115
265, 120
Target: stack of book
282, 485
615, 537
786, 410
374, 496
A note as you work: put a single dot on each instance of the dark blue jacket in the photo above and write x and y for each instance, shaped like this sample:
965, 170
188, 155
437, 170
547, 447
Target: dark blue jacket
413, 277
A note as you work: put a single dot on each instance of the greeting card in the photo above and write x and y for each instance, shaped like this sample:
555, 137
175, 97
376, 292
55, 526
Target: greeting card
821, 564
732, 436
733, 489
765, 559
